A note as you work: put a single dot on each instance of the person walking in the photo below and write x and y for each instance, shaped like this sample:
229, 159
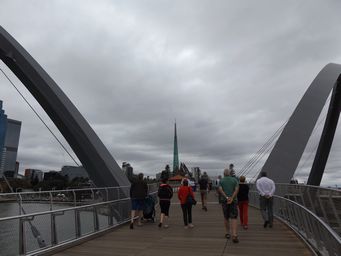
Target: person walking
232, 171
138, 193
243, 201
217, 182
184, 192
266, 188
228, 188
165, 193
203, 184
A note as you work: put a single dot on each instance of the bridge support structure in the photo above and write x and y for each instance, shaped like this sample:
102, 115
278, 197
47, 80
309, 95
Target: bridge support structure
90, 150
327, 136
287, 152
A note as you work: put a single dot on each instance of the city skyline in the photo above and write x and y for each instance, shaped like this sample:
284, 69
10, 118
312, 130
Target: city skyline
231, 73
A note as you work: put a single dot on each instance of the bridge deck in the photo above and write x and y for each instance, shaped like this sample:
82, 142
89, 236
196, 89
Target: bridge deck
206, 238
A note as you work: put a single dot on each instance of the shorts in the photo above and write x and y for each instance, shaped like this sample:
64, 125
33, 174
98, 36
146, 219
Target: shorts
230, 211
137, 204
164, 206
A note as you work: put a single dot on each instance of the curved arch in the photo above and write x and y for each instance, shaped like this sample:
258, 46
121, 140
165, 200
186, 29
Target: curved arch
96, 159
287, 152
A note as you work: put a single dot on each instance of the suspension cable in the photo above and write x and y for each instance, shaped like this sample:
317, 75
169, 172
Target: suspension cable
254, 160
259, 152
40, 118
264, 153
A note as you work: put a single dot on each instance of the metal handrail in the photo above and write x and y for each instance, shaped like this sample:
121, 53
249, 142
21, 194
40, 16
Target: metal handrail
312, 186
307, 224
324, 202
23, 216
116, 212
59, 191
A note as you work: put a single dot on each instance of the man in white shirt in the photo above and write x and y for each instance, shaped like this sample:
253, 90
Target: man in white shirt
266, 188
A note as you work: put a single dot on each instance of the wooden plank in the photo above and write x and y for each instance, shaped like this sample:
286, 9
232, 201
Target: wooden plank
206, 238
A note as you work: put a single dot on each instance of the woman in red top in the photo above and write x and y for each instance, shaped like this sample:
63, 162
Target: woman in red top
183, 193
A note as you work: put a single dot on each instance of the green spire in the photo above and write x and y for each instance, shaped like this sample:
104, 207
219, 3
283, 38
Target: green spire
175, 154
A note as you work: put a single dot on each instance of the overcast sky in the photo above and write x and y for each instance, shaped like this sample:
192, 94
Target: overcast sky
230, 72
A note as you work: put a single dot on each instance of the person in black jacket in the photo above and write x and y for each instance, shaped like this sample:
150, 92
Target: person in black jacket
138, 193
203, 184
243, 202
165, 193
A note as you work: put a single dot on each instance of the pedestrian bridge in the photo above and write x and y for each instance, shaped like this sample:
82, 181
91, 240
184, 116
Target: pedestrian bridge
95, 221
206, 238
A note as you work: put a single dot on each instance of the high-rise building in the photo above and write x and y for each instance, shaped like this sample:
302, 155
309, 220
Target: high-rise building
32, 174
175, 152
9, 142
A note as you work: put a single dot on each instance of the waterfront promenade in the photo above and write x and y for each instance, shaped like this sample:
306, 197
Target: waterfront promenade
206, 238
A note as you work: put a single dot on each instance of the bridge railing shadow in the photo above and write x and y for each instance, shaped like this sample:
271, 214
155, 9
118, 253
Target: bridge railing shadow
83, 214
322, 238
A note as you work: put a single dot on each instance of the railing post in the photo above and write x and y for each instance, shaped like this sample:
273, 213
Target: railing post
54, 240
110, 215
95, 216
20, 204
74, 198
77, 224
51, 201
22, 237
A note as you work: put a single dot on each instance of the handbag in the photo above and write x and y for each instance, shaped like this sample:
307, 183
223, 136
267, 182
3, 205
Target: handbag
190, 200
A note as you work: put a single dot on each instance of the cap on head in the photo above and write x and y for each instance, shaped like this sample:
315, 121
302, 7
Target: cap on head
263, 174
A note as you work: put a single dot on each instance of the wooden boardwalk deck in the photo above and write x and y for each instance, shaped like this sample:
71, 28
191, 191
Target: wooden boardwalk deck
206, 238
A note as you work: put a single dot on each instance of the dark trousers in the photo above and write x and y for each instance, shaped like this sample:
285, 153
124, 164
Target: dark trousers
187, 213
266, 205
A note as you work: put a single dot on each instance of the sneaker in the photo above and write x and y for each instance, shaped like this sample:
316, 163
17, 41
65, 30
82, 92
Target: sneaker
131, 226
186, 227
245, 227
191, 225
205, 208
227, 236
235, 239
160, 225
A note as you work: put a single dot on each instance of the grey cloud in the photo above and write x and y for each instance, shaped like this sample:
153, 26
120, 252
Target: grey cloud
231, 73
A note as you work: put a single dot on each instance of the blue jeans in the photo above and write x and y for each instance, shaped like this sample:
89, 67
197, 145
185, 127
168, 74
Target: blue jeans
266, 205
